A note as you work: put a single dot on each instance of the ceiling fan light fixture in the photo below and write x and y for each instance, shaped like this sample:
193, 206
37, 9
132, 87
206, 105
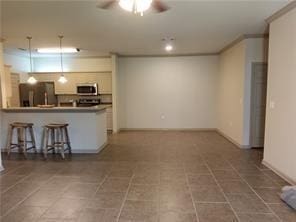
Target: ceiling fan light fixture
135, 6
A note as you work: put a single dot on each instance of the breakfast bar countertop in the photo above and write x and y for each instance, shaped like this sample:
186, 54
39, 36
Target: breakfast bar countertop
57, 109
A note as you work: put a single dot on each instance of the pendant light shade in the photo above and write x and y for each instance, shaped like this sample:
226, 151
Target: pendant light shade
62, 78
31, 79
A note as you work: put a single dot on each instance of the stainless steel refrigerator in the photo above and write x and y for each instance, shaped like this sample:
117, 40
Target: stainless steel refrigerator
34, 95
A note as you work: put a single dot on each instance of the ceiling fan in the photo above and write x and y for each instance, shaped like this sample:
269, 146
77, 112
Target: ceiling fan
135, 6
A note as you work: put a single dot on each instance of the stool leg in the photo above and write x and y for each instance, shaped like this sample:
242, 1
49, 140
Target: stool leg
9, 140
33, 139
19, 139
68, 140
24, 133
45, 143
53, 141
62, 142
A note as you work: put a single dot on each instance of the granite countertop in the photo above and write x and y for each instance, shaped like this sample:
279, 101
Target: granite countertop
57, 109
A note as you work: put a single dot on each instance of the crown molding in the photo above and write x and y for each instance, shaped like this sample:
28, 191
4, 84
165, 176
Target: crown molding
231, 44
169, 55
281, 12
241, 38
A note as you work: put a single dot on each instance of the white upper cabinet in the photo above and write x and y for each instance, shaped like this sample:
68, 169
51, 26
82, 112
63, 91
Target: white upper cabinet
103, 79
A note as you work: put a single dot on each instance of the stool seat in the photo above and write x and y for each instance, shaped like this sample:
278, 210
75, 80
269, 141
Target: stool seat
20, 124
57, 125
22, 142
59, 138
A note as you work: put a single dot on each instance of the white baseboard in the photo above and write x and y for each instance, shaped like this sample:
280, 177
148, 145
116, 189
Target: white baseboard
188, 129
280, 174
167, 129
232, 140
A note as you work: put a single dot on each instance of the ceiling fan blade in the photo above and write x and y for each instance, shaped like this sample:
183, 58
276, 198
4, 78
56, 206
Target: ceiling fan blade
159, 6
107, 4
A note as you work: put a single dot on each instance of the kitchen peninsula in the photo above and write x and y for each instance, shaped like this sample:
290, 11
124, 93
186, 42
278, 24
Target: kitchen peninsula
87, 125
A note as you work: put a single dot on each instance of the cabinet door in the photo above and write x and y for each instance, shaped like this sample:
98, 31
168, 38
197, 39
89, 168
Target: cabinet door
66, 88
105, 83
15, 98
7, 81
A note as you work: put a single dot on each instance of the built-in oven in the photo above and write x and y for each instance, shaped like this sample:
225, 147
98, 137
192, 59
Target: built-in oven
87, 89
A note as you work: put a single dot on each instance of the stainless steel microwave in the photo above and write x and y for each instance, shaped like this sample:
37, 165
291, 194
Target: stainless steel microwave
87, 89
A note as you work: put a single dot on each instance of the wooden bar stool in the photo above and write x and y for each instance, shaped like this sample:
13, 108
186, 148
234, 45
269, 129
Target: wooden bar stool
22, 143
59, 138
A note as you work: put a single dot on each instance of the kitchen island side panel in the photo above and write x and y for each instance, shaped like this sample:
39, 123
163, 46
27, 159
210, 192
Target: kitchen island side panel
87, 130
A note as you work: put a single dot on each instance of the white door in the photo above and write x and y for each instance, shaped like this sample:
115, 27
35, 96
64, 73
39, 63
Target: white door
259, 89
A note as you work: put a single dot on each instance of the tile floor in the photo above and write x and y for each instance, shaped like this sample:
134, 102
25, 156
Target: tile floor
145, 176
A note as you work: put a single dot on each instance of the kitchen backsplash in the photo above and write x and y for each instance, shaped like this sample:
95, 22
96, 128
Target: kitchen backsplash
70, 98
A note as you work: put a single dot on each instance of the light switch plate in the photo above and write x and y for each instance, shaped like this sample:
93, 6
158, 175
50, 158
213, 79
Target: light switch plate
271, 104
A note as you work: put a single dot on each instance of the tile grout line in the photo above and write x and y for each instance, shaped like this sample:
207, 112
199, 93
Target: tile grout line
88, 199
254, 191
217, 182
58, 175
191, 195
125, 198
19, 181
20, 202
54, 175
270, 177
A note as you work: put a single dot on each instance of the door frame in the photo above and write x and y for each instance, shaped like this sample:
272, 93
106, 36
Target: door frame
252, 117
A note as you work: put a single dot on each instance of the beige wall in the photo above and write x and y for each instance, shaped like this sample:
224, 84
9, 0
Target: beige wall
234, 97
231, 91
1, 76
280, 139
168, 92
18, 64
52, 64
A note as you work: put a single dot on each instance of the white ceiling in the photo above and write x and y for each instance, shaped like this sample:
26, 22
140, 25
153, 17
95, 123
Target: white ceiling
198, 26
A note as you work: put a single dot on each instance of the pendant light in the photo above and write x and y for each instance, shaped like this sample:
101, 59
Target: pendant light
31, 79
62, 78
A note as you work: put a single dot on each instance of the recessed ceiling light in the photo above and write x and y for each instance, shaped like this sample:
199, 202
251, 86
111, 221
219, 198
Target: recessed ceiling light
168, 44
57, 50
168, 47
